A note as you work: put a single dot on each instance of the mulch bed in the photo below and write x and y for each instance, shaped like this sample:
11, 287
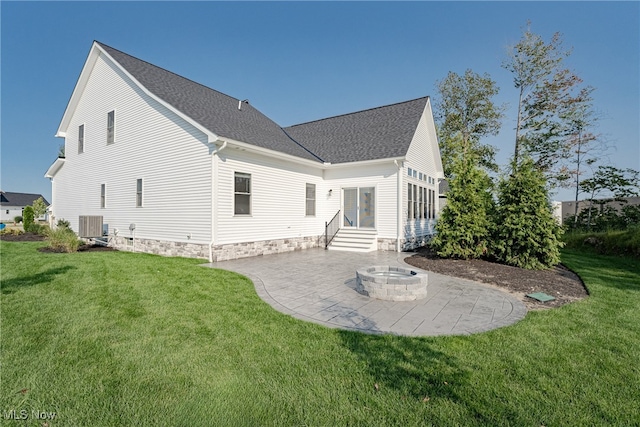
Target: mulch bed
24, 237
83, 248
560, 282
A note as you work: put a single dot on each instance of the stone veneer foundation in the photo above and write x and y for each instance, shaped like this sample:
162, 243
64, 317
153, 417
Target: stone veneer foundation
238, 250
220, 252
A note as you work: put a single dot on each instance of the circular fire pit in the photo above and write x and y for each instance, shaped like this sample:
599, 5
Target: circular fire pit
391, 283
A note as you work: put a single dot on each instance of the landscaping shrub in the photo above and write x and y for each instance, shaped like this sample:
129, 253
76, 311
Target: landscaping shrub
63, 223
28, 218
614, 242
17, 219
63, 240
41, 229
526, 233
464, 226
11, 231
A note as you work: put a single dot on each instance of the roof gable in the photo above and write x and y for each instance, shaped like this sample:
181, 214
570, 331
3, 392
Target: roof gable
19, 199
377, 133
221, 114
374, 134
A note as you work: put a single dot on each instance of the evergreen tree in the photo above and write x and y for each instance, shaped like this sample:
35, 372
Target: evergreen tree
463, 228
526, 233
28, 218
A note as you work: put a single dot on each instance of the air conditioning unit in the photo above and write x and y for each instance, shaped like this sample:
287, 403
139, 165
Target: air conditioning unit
90, 226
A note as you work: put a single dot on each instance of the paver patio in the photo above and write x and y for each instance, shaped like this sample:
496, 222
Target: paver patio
320, 286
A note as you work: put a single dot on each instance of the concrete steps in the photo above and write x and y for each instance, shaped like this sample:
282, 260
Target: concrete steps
354, 240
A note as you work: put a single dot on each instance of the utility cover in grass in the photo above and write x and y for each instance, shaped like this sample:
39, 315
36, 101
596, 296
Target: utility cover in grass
541, 296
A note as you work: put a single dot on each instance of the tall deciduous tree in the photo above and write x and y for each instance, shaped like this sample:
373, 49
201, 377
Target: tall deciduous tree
546, 92
39, 207
466, 112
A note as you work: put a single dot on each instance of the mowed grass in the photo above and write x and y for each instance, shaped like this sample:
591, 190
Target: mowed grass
113, 339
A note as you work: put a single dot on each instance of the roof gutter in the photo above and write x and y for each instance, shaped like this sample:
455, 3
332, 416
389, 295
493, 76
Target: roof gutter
215, 153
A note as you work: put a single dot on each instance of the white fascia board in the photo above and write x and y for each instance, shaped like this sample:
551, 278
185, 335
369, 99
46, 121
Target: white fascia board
54, 168
95, 53
77, 92
270, 153
366, 162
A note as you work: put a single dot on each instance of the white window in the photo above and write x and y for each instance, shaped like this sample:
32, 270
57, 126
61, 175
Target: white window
103, 195
111, 127
410, 172
242, 194
139, 193
80, 139
310, 207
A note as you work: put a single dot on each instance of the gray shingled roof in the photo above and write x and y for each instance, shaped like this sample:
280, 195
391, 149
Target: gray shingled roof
19, 199
378, 133
212, 109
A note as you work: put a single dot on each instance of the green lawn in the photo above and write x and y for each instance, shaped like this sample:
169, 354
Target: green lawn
111, 338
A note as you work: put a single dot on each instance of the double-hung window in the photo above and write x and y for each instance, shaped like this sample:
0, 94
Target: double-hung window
103, 195
139, 193
242, 194
310, 207
80, 139
111, 127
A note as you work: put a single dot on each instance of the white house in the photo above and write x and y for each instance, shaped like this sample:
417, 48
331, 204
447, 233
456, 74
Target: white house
176, 168
12, 204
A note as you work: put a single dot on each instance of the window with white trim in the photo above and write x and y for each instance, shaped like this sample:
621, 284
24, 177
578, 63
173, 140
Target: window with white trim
103, 195
310, 200
80, 139
139, 193
242, 194
111, 127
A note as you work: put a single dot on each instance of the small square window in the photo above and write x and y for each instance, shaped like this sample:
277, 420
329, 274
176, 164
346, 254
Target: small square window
420, 176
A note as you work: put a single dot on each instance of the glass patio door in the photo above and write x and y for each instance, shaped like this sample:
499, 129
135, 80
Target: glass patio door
359, 207
350, 209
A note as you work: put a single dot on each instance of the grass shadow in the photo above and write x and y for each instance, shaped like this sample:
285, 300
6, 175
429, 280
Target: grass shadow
609, 270
411, 366
12, 285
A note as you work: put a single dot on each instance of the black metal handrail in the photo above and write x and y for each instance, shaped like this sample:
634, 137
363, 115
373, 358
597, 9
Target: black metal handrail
331, 228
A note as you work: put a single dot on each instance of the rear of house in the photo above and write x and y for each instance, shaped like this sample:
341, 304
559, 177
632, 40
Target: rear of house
173, 167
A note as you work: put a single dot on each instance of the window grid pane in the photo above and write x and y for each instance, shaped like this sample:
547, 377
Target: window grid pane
242, 193
310, 206
111, 122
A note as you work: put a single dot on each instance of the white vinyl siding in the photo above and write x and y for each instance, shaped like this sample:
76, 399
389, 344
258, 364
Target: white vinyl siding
310, 200
277, 210
423, 158
151, 142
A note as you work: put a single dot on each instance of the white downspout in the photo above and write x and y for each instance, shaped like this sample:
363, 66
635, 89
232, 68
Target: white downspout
214, 195
399, 207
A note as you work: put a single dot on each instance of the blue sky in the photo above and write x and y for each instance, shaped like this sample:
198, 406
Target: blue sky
298, 62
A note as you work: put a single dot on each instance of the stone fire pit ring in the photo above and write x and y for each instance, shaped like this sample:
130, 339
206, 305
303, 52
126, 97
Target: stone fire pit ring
391, 283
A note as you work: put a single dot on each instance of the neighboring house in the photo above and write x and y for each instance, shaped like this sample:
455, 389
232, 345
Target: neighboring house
176, 168
12, 204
